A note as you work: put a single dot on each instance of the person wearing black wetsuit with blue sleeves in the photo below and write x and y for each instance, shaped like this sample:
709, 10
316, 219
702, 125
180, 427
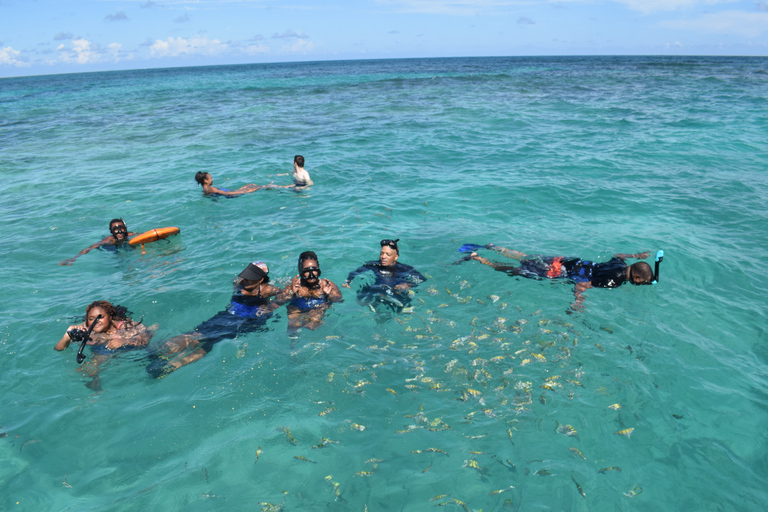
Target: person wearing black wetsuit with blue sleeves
584, 274
308, 296
392, 280
248, 311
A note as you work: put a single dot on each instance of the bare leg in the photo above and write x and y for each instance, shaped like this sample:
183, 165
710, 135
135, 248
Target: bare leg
509, 253
496, 266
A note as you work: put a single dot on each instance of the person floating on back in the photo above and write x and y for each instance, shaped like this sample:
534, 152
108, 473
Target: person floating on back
206, 181
584, 274
119, 235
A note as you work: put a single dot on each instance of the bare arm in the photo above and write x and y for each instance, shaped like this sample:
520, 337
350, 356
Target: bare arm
65, 340
70, 261
578, 290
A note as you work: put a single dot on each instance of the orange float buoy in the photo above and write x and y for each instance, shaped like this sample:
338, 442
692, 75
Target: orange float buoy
153, 235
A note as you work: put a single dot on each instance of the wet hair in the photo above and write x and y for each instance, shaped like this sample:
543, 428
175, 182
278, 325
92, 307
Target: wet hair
116, 312
299, 160
200, 177
643, 270
116, 221
307, 255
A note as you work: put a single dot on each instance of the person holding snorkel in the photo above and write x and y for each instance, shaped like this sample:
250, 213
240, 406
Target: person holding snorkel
107, 329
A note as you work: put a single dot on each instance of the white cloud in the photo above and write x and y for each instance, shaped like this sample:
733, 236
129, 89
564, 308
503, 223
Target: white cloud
289, 34
9, 57
118, 16
255, 49
197, 45
300, 46
746, 24
81, 52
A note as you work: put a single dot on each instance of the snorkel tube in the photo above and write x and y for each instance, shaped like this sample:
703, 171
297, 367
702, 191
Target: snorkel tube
659, 259
86, 337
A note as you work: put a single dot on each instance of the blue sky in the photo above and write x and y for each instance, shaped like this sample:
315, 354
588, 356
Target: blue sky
69, 36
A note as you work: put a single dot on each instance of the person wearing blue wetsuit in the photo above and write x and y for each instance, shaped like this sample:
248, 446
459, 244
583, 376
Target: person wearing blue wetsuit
307, 296
393, 281
584, 274
119, 235
248, 311
206, 181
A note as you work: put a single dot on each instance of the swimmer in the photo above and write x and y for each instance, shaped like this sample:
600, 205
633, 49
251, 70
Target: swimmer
206, 181
393, 280
308, 296
248, 311
300, 175
119, 235
114, 331
584, 274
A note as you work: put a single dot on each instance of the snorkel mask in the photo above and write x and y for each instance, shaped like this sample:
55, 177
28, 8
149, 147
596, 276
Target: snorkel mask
118, 229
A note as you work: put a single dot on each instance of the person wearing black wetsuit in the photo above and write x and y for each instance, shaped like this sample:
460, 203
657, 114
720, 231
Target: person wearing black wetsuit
584, 274
248, 311
391, 288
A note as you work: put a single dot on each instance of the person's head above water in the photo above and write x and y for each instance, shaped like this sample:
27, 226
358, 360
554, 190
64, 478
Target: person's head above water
389, 252
640, 273
298, 160
309, 269
118, 229
203, 178
108, 313
257, 272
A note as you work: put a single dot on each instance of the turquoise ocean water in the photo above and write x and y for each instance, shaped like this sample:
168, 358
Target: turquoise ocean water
573, 156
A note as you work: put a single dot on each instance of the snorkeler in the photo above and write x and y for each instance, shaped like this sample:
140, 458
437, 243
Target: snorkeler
119, 235
393, 281
108, 329
248, 311
206, 181
584, 274
308, 296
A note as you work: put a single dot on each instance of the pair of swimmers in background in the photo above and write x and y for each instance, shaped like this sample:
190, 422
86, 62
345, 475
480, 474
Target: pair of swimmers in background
301, 179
